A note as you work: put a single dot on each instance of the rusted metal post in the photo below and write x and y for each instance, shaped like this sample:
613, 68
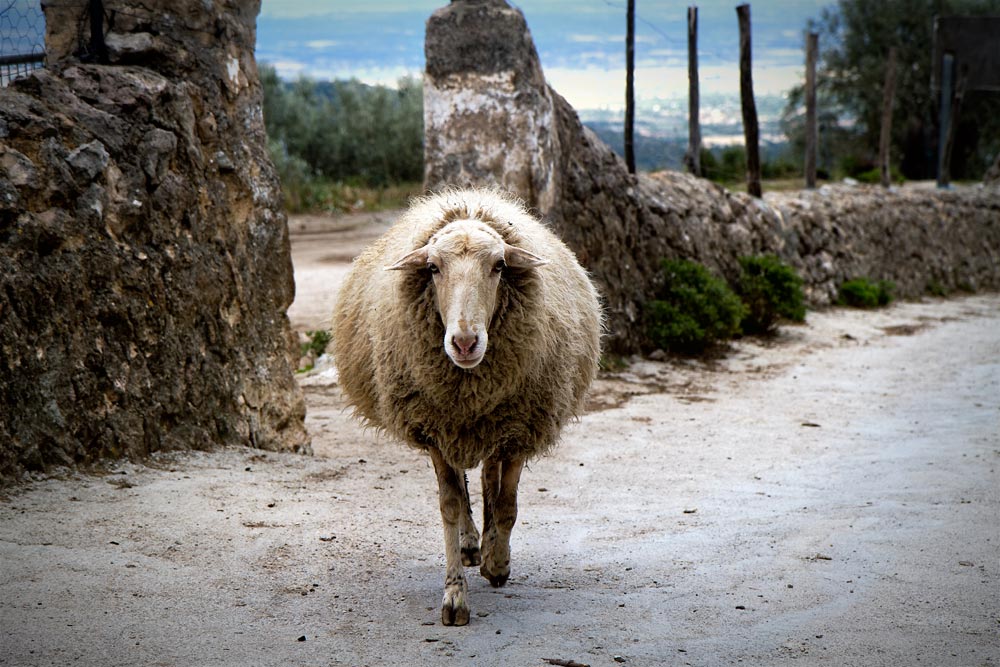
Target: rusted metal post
751, 132
692, 159
812, 131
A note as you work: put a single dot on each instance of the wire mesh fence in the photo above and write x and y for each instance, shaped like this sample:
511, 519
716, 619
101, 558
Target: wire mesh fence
22, 38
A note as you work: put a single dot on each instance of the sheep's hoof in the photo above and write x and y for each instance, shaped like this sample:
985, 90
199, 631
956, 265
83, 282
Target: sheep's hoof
454, 615
454, 608
496, 579
496, 563
471, 556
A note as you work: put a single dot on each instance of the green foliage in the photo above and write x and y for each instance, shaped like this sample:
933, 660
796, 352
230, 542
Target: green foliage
342, 132
780, 168
935, 288
875, 175
728, 166
318, 194
612, 362
863, 293
692, 309
770, 290
318, 340
855, 37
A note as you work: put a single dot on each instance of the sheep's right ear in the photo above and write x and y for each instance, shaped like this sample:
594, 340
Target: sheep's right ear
413, 260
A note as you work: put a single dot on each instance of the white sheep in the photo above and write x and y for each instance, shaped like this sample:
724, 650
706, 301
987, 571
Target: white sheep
476, 345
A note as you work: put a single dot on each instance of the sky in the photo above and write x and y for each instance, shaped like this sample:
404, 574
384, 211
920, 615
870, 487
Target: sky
581, 44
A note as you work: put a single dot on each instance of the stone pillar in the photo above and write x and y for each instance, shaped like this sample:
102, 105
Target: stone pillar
145, 267
484, 80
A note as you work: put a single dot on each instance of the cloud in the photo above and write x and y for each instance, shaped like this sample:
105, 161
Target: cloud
322, 44
600, 88
286, 69
781, 56
588, 39
580, 38
297, 9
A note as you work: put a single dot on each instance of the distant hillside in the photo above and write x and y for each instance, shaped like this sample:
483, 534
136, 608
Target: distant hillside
653, 153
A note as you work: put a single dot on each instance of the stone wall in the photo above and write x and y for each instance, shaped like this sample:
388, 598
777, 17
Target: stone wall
621, 226
145, 267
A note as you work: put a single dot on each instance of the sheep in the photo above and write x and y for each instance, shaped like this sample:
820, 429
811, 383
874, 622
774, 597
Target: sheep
469, 331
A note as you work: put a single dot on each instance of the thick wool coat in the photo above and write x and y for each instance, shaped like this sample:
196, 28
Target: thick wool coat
543, 351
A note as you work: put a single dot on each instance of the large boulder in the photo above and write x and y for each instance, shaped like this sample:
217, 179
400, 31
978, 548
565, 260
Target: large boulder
145, 267
491, 119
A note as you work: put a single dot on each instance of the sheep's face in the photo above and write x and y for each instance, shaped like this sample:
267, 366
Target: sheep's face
466, 260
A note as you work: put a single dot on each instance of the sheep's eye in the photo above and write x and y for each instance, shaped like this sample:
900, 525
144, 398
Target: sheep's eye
500, 266
433, 268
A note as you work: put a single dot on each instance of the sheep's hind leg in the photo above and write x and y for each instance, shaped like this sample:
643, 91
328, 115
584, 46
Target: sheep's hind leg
500, 479
454, 605
468, 535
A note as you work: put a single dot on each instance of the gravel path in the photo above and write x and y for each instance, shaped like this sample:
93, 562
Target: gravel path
829, 497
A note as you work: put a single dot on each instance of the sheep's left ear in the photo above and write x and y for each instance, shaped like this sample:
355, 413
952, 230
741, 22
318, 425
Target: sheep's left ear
519, 258
413, 260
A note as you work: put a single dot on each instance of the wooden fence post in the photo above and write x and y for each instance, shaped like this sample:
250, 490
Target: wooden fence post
630, 86
949, 136
751, 132
812, 133
693, 158
947, 81
885, 134
98, 48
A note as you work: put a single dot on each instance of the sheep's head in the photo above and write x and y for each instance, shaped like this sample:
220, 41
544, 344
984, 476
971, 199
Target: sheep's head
467, 259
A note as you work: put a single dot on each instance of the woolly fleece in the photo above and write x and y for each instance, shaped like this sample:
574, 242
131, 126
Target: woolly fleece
542, 356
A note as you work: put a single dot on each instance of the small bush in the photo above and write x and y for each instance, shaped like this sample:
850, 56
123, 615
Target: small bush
770, 290
692, 309
874, 176
612, 362
863, 293
318, 340
935, 288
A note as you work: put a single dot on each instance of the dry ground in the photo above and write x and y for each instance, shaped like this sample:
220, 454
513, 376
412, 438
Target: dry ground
830, 497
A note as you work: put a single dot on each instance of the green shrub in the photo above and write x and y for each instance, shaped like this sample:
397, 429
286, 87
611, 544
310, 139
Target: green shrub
612, 362
692, 309
874, 176
770, 290
344, 131
318, 340
863, 293
935, 288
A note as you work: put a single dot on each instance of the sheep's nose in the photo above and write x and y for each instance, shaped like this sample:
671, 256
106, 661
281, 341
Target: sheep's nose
464, 342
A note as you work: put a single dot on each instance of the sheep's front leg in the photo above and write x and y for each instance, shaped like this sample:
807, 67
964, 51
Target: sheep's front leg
451, 496
468, 535
500, 479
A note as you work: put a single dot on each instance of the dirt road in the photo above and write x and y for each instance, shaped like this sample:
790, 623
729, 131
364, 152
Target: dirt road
830, 498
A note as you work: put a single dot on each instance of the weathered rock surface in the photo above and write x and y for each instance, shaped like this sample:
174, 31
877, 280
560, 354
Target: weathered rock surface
488, 115
621, 226
144, 258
